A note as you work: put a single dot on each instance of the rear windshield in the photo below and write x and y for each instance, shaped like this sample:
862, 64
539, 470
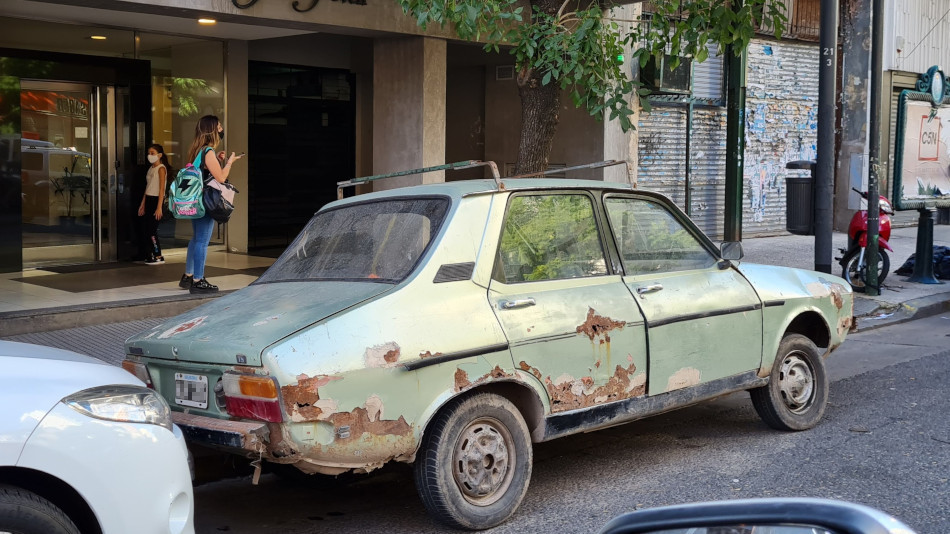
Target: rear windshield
372, 241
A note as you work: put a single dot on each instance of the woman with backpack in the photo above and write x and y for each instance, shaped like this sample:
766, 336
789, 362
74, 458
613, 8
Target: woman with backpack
153, 200
208, 133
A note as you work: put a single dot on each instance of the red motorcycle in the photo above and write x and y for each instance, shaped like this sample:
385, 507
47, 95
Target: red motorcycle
854, 266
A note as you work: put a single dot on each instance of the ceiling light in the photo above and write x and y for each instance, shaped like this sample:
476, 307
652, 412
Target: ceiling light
98, 37
207, 21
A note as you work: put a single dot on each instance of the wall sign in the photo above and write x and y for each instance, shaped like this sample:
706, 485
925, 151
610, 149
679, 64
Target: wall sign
922, 155
296, 4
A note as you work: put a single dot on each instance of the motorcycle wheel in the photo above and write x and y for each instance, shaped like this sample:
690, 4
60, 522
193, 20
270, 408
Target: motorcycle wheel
856, 275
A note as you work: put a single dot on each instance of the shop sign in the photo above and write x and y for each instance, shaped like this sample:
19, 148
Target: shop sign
72, 106
295, 4
922, 147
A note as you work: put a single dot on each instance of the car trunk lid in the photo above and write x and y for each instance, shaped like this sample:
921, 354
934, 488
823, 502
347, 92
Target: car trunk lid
236, 328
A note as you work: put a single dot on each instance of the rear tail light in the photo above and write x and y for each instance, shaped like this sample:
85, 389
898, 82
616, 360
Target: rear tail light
139, 371
252, 397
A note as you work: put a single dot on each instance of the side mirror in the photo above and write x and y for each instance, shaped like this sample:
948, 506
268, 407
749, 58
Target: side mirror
731, 250
773, 516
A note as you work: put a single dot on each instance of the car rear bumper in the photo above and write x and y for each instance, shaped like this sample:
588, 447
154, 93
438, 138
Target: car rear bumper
234, 436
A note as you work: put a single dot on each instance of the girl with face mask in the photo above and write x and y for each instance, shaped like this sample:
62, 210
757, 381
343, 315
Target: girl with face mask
152, 201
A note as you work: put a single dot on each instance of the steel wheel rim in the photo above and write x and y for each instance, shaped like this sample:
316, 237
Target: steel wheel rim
796, 383
857, 274
483, 462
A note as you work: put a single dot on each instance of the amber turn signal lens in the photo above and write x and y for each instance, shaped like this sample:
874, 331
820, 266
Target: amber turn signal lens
254, 386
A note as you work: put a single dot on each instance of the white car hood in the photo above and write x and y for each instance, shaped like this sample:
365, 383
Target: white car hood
34, 378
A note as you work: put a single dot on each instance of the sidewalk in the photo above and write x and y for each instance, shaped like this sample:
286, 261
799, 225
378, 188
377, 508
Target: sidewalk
71, 297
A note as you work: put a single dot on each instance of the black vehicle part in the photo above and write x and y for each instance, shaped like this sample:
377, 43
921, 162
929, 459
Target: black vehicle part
797, 392
856, 275
25, 512
474, 464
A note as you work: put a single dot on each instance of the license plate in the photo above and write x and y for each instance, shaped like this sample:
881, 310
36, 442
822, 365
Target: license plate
191, 390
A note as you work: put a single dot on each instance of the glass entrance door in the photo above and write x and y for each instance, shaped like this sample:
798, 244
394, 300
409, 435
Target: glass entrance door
66, 139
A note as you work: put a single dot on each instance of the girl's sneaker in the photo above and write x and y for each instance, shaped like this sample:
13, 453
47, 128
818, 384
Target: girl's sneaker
202, 286
186, 281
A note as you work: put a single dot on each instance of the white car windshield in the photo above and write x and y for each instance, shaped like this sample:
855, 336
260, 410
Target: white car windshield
371, 241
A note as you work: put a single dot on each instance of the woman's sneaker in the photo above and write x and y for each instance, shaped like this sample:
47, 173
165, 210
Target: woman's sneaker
186, 281
158, 260
202, 286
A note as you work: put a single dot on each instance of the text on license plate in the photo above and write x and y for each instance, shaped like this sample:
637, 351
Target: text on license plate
191, 390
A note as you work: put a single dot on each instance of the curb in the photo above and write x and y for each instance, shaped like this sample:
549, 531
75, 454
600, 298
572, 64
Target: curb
59, 318
904, 312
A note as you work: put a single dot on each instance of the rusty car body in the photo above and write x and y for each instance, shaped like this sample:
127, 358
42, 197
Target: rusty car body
453, 325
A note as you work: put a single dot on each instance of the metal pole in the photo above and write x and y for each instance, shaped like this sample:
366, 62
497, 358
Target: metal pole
735, 139
825, 170
874, 146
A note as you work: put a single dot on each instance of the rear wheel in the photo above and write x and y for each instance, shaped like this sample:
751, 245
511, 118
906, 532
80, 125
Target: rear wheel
474, 464
24, 512
856, 274
797, 392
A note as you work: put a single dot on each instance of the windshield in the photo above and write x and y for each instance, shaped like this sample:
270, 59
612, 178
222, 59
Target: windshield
379, 241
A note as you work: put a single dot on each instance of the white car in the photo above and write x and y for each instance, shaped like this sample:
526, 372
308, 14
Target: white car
85, 447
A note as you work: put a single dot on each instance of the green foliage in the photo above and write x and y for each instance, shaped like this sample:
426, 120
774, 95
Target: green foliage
186, 92
550, 237
578, 50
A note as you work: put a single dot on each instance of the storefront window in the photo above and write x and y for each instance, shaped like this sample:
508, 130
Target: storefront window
187, 83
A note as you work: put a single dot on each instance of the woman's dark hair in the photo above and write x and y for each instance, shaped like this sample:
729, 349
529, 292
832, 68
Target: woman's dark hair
206, 134
162, 157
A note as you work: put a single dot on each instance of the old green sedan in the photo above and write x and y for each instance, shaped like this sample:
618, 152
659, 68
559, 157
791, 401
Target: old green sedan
454, 325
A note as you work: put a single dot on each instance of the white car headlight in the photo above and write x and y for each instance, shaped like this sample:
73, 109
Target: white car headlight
131, 404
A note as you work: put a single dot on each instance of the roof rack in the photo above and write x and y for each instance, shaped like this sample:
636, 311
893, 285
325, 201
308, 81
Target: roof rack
469, 164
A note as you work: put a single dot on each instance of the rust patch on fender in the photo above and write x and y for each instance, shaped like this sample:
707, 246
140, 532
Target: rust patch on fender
461, 380
598, 325
428, 354
845, 325
528, 369
836, 290
384, 355
360, 423
302, 400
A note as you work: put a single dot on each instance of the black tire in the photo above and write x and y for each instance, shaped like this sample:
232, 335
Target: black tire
797, 392
855, 276
474, 463
24, 512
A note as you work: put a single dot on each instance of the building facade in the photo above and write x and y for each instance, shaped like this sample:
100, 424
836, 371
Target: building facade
314, 92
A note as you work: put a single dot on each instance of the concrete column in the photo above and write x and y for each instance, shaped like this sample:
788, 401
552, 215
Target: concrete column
235, 122
408, 108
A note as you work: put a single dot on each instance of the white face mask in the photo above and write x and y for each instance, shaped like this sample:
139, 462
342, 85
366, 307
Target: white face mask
152, 158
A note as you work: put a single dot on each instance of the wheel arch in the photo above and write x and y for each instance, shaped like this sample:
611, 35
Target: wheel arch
525, 399
56, 491
812, 325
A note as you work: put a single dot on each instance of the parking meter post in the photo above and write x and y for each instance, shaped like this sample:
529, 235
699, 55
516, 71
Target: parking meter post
924, 257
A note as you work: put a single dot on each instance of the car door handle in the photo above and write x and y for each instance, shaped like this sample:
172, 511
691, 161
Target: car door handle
519, 303
652, 288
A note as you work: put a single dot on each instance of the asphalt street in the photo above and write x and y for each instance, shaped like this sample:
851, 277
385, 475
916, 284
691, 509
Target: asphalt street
884, 442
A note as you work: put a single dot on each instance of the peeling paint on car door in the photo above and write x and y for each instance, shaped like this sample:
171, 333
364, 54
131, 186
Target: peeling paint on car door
570, 323
704, 319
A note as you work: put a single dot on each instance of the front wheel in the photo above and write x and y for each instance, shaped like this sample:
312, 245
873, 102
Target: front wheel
25, 512
474, 464
797, 392
855, 272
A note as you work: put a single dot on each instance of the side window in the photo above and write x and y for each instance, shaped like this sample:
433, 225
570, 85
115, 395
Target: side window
650, 239
549, 237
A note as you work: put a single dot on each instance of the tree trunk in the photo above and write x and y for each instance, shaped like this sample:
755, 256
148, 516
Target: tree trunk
539, 117
539, 110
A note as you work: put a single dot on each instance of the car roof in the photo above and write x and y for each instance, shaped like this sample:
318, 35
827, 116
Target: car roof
463, 188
